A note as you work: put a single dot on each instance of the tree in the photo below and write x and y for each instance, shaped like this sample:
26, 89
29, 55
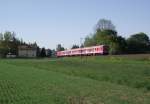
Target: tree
104, 24
49, 52
8, 43
117, 44
138, 43
53, 53
8, 36
60, 48
43, 52
122, 44
89, 41
38, 51
101, 36
82, 46
105, 37
75, 46
1, 37
106, 34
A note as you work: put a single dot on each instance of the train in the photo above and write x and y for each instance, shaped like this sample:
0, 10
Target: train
85, 51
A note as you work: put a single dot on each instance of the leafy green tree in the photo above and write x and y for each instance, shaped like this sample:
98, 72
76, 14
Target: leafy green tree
89, 41
38, 51
121, 45
8, 36
114, 48
7, 43
109, 38
138, 43
107, 35
43, 52
117, 44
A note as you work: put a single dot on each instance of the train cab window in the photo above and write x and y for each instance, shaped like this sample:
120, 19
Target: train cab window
101, 48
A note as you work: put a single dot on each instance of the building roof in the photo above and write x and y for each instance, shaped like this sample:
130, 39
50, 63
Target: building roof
27, 47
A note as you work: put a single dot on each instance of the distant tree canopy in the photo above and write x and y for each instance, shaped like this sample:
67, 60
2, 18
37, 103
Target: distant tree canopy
104, 34
75, 46
53, 53
104, 24
89, 40
138, 43
49, 53
43, 52
116, 43
107, 35
38, 52
9, 43
60, 48
9, 36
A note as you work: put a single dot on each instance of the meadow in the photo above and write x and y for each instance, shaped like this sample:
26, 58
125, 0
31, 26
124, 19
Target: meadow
88, 80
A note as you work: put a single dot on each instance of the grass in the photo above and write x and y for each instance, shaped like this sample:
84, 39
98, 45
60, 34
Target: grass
90, 80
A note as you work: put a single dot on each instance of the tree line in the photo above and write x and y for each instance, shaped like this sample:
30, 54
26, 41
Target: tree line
9, 45
105, 34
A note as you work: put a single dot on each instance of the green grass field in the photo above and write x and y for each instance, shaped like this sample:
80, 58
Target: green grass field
92, 80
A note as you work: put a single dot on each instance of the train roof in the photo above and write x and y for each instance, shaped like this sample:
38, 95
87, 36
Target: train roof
82, 48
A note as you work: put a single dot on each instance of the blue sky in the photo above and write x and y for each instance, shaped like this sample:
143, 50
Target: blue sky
50, 22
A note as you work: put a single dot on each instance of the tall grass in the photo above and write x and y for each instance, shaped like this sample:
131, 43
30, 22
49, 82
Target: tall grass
90, 80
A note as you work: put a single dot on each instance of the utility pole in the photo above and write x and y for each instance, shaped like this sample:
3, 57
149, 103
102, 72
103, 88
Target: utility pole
81, 46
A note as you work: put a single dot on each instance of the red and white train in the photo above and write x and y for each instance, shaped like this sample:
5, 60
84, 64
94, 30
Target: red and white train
93, 50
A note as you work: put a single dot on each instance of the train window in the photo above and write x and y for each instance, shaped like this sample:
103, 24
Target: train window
96, 49
101, 48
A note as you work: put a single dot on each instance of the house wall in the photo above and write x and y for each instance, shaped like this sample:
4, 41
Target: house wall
27, 53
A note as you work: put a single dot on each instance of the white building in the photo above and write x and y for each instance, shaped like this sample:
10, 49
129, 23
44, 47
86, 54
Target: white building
27, 51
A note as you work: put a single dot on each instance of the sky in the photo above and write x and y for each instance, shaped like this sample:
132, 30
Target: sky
50, 22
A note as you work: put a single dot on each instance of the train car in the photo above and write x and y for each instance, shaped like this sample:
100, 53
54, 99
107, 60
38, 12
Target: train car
93, 50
